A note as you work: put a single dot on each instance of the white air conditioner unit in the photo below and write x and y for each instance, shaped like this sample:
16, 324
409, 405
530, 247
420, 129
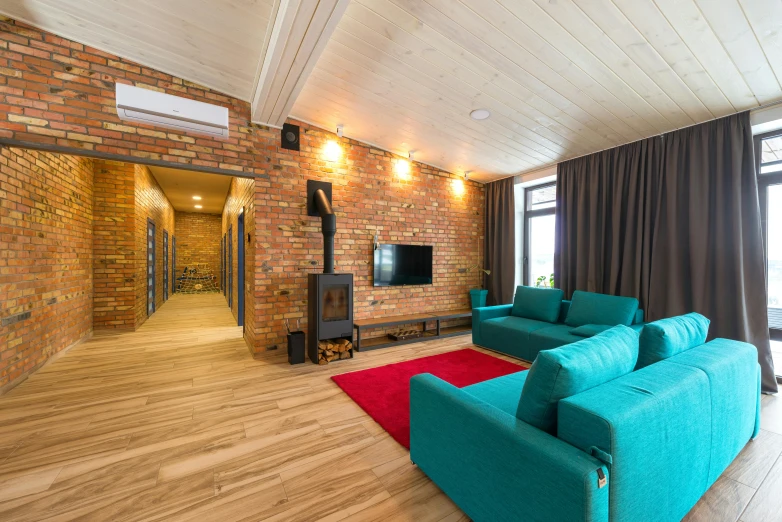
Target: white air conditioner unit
165, 110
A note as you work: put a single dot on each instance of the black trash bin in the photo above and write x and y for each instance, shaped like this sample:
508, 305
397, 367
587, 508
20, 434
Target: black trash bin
296, 347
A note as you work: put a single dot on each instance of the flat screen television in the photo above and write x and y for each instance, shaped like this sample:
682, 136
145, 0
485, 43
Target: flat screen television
403, 265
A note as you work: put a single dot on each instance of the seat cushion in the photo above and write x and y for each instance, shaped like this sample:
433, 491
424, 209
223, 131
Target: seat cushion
589, 330
592, 308
668, 337
503, 392
541, 304
510, 334
552, 337
562, 372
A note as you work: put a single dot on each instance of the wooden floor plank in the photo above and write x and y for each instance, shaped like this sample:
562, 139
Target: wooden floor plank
177, 421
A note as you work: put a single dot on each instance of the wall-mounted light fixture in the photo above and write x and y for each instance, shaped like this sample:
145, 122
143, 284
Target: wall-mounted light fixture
467, 175
340, 129
410, 155
458, 186
402, 169
332, 151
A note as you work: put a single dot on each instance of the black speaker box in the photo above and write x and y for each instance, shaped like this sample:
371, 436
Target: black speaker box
290, 137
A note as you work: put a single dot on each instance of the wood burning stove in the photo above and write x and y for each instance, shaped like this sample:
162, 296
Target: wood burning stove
329, 295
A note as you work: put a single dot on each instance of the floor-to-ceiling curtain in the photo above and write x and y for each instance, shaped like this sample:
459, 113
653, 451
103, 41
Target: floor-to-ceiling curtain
500, 242
675, 222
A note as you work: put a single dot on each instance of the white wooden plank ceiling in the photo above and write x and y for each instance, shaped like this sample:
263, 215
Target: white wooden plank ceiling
561, 78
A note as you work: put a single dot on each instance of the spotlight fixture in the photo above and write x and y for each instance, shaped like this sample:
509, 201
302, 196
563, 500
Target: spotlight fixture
340, 129
480, 114
410, 155
198, 206
467, 175
197, 198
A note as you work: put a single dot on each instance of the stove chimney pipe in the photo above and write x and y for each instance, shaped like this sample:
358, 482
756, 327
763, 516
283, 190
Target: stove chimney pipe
328, 226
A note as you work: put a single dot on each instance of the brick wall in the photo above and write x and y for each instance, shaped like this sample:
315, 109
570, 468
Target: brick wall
45, 257
114, 245
150, 203
241, 198
61, 93
198, 240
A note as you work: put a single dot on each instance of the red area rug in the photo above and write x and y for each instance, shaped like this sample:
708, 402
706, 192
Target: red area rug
384, 392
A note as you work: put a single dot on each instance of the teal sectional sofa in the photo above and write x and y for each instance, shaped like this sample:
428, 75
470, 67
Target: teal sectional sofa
619, 426
540, 319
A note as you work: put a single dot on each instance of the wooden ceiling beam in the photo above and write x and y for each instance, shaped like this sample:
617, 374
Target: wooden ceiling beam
298, 34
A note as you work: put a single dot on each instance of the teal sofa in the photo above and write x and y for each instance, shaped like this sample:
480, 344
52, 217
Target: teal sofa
558, 443
540, 319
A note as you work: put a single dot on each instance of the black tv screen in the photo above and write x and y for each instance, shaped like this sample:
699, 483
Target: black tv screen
403, 265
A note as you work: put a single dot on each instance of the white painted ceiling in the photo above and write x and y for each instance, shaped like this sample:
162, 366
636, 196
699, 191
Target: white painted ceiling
562, 78
181, 185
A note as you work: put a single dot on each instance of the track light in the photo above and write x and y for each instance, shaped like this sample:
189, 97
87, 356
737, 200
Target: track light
467, 175
340, 129
410, 155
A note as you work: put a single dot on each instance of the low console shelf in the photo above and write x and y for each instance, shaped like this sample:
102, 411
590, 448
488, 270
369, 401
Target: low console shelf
439, 332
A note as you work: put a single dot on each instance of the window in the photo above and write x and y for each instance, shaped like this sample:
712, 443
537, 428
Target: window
539, 206
768, 155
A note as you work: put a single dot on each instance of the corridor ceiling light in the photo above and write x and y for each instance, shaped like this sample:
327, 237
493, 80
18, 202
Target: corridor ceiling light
198, 206
340, 129
480, 114
197, 198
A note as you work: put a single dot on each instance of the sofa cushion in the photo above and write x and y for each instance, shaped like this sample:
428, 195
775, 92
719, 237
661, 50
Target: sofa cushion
589, 330
541, 304
667, 337
502, 392
510, 334
592, 308
552, 337
569, 370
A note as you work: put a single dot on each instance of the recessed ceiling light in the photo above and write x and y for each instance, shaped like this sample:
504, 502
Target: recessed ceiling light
480, 114
197, 198
198, 206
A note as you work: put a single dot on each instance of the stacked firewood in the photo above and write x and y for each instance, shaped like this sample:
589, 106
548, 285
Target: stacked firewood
333, 350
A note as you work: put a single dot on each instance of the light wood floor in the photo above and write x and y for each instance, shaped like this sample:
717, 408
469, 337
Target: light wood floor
178, 422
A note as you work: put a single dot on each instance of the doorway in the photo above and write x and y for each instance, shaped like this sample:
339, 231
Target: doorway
173, 264
240, 267
768, 158
150, 267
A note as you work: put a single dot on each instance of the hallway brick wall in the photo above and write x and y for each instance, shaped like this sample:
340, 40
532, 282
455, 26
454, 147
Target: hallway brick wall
114, 245
241, 195
46, 266
61, 93
198, 240
150, 203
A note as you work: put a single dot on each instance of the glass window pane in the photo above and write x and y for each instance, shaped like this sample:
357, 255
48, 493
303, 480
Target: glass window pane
540, 263
767, 169
771, 150
544, 197
774, 247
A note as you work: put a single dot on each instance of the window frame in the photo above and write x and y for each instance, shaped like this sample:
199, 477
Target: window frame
528, 216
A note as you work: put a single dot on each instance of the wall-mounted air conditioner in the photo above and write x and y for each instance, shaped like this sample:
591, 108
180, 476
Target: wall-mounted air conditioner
165, 110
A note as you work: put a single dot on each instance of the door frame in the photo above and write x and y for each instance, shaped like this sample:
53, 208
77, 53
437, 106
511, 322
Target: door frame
230, 266
165, 265
150, 275
240, 268
173, 265
528, 216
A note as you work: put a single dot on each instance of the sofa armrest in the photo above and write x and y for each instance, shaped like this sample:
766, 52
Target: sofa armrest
639, 317
484, 313
495, 466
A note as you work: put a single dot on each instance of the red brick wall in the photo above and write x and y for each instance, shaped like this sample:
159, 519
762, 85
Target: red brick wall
198, 240
241, 196
114, 245
45, 257
62, 93
151, 203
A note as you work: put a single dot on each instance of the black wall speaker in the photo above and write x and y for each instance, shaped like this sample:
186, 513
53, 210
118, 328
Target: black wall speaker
290, 136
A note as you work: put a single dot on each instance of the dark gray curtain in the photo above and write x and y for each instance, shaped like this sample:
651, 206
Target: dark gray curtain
675, 222
500, 242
